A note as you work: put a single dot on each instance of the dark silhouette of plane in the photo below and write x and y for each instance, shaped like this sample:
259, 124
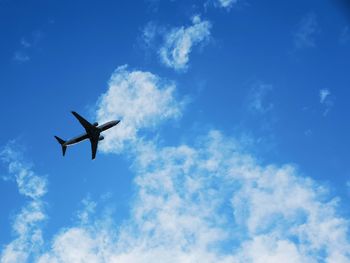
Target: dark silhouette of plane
92, 133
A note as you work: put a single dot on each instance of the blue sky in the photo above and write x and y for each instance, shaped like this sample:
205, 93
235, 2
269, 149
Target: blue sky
233, 144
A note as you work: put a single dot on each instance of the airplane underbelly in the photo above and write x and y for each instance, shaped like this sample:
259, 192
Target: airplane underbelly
77, 139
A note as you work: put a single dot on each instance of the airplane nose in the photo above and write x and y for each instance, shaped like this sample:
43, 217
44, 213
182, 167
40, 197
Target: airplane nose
116, 122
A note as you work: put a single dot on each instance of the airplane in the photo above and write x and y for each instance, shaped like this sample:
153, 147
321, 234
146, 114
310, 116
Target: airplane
92, 133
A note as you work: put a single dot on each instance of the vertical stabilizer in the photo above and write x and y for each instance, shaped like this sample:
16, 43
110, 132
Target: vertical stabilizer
62, 142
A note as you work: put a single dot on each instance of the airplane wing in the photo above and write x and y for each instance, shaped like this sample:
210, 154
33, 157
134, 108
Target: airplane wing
94, 143
87, 125
91, 130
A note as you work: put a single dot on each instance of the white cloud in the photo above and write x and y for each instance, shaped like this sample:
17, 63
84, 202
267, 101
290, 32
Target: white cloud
209, 201
141, 100
179, 43
213, 203
326, 100
29, 184
27, 222
306, 32
89, 207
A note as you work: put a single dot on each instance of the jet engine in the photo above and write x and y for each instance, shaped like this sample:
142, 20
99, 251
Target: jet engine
95, 124
101, 138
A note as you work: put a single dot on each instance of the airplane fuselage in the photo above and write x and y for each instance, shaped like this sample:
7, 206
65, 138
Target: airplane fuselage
86, 136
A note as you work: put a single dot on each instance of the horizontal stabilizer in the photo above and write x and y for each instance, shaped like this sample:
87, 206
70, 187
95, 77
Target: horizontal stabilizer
62, 142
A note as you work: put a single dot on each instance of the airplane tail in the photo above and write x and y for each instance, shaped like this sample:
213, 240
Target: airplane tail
64, 147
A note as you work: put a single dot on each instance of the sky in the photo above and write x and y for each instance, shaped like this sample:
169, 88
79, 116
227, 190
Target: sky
233, 142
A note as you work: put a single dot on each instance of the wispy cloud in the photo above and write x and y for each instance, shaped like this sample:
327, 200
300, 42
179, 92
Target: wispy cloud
307, 30
21, 57
324, 93
227, 3
178, 43
224, 4
26, 47
326, 100
149, 33
258, 98
27, 223
209, 201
